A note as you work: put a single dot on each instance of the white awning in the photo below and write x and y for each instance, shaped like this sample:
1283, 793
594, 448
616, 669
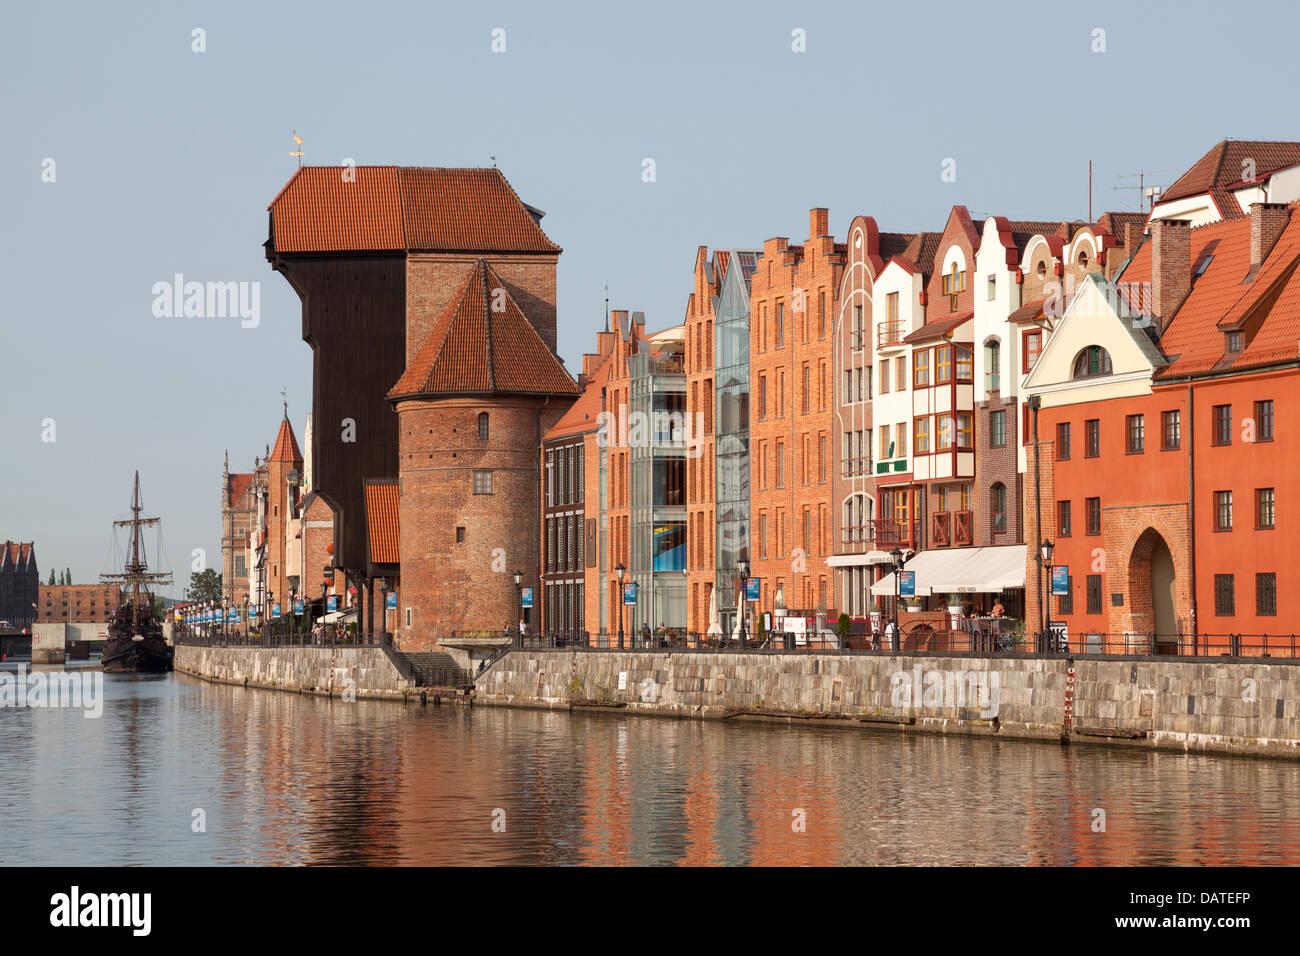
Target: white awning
962, 570
857, 560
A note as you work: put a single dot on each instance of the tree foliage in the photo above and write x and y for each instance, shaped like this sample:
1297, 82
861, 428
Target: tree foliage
205, 585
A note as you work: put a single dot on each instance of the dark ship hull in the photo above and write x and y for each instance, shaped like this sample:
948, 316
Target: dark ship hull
151, 655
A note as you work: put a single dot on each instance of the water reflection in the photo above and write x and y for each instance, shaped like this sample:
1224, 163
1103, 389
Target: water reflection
284, 779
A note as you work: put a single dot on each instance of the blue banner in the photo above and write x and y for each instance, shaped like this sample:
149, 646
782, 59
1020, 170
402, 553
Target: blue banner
297, 606
252, 612
753, 589
391, 602
527, 597
232, 616
1060, 579
332, 602
275, 610
907, 583
629, 593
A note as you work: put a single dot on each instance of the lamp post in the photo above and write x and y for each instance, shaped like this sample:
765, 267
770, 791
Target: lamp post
897, 555
245, 616
519, 603
743, 567
620, 571
1045, 559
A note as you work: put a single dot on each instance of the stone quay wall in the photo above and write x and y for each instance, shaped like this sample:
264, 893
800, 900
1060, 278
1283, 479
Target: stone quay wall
1188, 704
327, 671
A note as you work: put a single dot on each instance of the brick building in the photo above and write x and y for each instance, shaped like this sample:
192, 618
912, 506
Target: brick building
19, 582
792, 302
77, 603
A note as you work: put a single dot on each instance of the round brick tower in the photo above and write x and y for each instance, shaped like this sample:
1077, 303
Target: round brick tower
472, 408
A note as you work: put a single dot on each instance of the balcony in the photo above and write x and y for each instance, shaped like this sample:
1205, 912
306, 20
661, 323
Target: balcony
857, 466
857, 339
858, 534
890, 534
889, 333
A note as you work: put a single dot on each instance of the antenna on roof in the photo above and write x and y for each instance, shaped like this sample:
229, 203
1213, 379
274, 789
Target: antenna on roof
606, 306
286, 403
299, 151
1144, 193
494, 161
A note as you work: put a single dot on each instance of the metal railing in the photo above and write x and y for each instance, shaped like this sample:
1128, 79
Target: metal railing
329, 638
981, 636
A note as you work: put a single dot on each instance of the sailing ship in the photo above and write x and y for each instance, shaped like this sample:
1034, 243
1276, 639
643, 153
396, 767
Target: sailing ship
135, 634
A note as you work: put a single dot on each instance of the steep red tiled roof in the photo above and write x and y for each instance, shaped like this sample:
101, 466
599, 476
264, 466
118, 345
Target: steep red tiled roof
1223, 166
582, 414
399, 208
382, 521
476, 348
237, 486
920, 252
286, 446
1029, 312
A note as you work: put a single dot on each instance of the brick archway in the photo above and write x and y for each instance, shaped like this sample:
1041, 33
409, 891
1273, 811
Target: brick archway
1138, 540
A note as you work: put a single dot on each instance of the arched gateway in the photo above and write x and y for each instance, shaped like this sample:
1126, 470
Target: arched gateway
1152, 590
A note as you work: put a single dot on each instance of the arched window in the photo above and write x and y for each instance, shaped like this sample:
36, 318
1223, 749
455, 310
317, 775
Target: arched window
992, 367
998, 503
483, 426
1094, 360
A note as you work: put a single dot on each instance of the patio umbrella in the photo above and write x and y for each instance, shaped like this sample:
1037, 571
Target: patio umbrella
715, 625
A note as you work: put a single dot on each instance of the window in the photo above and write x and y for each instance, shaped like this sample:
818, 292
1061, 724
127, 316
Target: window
1263, 508
460, 534
900, 372
482, 426
806, 382
1136, 434
998, 502
762, 535
884, 376
965, 364
780, 395
1171, 430
1062, 441
821, 314
1092, 361
1266, 593
1233, 342
1223, 511
1222, 425
943, 364
780, 464
780, 325
921, 368
1065, 602
1092, 438
1264, 421
997, 429
886, 446
965, 431
762, 398
921, 436
482, 482
992, 368
1225, 603
1063, 520
1094, 594
1033, 342
993, 287
821, 458
901, 431
953, 283
1093, 507
944, 432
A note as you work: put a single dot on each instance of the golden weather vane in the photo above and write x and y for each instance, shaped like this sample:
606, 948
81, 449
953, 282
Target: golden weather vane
299, 151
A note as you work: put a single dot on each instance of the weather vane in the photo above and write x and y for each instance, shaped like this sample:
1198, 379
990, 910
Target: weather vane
298, 152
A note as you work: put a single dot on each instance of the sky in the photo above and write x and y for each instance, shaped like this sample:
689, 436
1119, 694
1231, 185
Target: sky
165, 157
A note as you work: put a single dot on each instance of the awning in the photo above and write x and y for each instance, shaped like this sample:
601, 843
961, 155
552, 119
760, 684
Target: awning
962, 570
856, 560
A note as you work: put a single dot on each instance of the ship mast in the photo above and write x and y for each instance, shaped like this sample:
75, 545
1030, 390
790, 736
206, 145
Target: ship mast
135, 573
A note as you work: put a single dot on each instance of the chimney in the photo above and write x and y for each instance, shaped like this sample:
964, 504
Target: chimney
1267, 220
1171, 267
818, 223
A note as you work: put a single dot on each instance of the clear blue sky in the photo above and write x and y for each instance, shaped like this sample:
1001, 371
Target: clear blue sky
166, 160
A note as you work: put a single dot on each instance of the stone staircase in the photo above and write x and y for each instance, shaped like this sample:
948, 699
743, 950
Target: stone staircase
435, 669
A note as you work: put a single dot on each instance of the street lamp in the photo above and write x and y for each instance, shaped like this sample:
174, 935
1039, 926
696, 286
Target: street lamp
620, 570
245, 616
1045, 559
743, 567
897, 555
519, 602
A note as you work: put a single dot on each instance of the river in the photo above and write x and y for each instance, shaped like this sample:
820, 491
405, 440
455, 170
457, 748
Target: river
177, 771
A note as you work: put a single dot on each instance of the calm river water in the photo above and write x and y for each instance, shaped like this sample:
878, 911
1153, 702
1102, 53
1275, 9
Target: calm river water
284, 779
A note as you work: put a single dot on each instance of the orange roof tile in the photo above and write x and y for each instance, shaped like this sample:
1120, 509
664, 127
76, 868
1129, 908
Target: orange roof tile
483, 343
382, 521
1224, 165
403, 208
237, 486
582, 414
286, 446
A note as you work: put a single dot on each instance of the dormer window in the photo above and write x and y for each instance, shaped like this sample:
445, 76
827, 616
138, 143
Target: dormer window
1092, 361
1083, 259
953, 283
1232, 341
1042, 269
1202, 266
